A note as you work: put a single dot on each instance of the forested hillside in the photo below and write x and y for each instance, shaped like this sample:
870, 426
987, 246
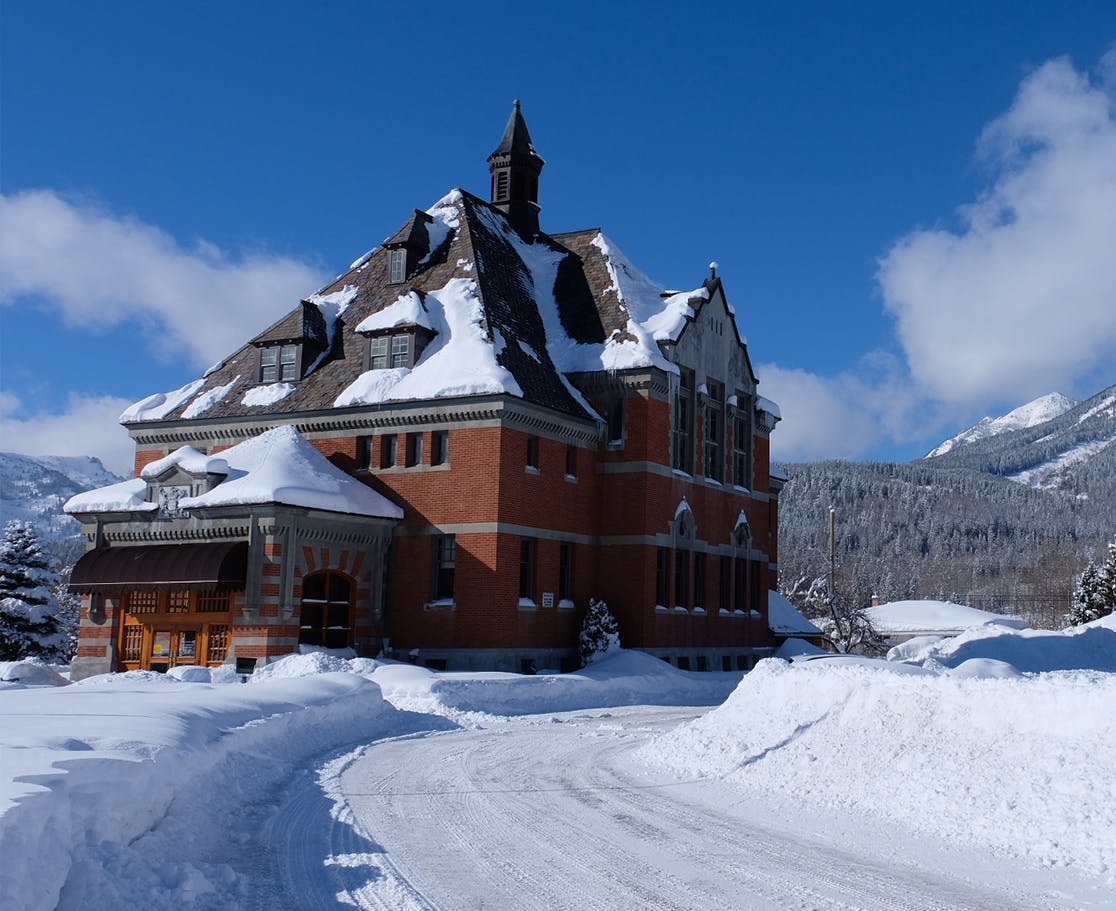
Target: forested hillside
1004, 523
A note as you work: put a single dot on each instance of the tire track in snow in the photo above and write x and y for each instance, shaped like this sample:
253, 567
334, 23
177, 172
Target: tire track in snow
552, 816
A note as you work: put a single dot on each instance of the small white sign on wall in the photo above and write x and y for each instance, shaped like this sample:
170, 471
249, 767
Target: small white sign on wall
548, 599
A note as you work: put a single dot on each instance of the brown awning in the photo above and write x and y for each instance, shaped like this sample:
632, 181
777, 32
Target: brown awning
158, 567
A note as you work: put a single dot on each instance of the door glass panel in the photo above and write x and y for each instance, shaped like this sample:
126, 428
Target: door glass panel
161, 643
188, 643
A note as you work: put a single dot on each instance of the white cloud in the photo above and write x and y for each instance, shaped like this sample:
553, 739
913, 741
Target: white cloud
847, 415
101, 270
1022, 300
89, 427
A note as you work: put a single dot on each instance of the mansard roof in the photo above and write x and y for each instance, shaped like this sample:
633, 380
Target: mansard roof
509, 316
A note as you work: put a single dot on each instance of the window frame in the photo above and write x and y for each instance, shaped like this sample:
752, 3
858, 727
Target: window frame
397, 266
389, 446
280, 363
412, 457
528, 555
326, 627
682, 423
379, 352
565, 571
742, 442
713, 431
445, 567
439, 447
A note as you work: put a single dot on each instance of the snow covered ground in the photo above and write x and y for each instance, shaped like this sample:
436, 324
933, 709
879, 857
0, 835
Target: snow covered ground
968, 776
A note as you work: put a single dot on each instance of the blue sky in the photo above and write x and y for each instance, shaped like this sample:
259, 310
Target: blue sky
909, 205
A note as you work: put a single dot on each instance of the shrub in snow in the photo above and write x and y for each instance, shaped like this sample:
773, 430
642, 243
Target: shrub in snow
30, 622
845, 625
600, 633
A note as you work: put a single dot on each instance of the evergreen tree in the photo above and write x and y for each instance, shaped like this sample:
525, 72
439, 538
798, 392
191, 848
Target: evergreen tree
1095, 594
29, 608
1108, 579
600, 633
1088, 598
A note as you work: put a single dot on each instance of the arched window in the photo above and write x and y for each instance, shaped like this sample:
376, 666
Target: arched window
741, 541
683, 543
326, 612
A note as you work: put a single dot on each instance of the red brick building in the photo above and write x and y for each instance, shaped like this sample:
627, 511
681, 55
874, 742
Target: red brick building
540, 423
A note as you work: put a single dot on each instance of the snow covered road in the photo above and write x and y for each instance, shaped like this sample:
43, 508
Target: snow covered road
551, 812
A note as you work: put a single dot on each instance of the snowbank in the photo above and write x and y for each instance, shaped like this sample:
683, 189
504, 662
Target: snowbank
1022, 765
91, 768
1088, 647
626, 678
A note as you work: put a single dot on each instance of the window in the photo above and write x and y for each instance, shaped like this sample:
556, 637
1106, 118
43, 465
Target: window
740, 602
279, 362
364, 452
400, 351
682, 431
681, 578
439, 447
565, 572
326, 611
616, 421
532, 451
742, 442
714, 430
214, 603
571, 461
662, 569
699, 580
414, 449
387, 450
378, 352
755, 590
527, 569
445, 558
397, 260
501, 185
723, 584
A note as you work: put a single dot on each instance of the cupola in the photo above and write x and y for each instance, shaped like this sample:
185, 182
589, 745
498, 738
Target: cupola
515, 168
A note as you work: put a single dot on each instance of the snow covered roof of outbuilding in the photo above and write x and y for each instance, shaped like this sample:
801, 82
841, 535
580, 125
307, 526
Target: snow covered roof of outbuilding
783, 619
276, 467
934, 616
509, 317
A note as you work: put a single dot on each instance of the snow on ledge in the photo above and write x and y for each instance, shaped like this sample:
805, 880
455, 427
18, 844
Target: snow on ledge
158, 406
258, 396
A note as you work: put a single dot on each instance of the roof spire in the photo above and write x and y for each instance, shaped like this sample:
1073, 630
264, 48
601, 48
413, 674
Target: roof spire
515, 168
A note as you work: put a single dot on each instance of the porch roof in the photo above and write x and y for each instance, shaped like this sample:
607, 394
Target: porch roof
217, 566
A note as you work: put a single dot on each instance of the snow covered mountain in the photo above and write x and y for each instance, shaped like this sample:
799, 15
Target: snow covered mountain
33, 489
1042, 409
1074, 452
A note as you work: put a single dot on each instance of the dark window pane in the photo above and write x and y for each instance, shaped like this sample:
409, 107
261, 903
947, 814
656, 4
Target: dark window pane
314, 587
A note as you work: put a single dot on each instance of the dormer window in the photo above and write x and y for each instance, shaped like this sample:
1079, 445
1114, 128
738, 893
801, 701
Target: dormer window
279, 363
397, 266
401, 348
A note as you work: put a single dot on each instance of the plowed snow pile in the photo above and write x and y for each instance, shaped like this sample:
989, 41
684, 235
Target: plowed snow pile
1021, 763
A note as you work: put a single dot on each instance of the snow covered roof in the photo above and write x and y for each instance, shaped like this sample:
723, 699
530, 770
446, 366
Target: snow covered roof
934, 616
508, 317
278, 466
783, 619
188, 459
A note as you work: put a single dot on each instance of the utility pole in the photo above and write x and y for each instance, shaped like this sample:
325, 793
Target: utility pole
832, 548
